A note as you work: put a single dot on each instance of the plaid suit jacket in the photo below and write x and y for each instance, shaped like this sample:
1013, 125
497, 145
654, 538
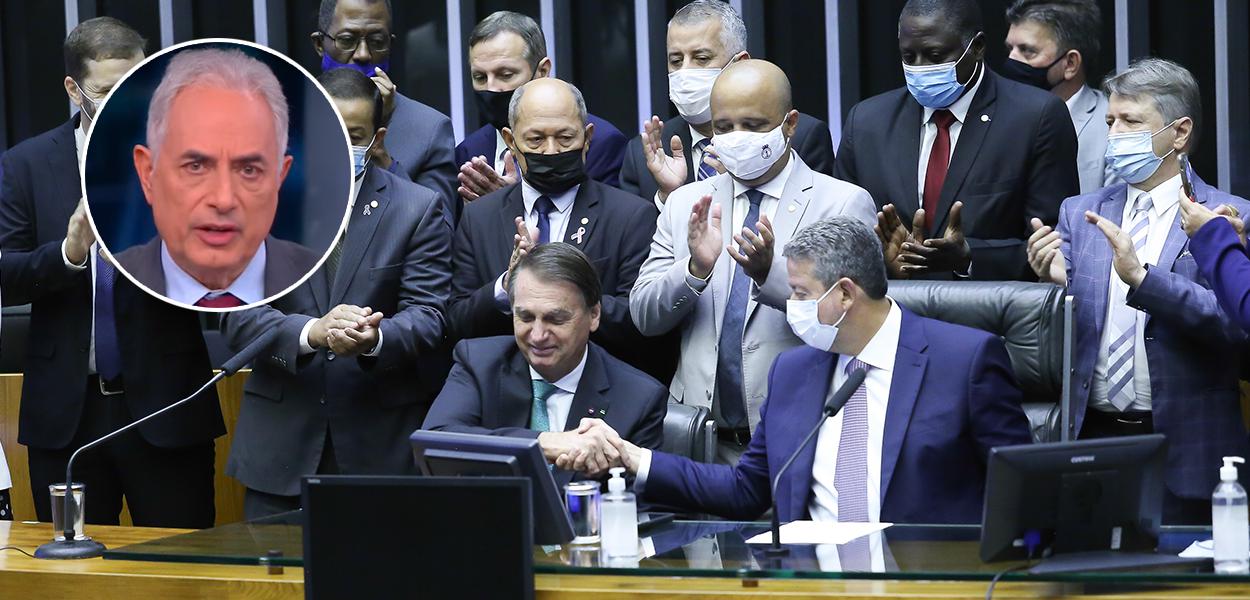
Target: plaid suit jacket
1191, 344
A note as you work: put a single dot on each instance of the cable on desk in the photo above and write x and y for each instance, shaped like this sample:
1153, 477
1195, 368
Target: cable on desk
989, 593
18, 549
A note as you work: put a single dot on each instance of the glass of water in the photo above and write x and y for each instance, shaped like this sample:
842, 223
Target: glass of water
581, 498
57, 491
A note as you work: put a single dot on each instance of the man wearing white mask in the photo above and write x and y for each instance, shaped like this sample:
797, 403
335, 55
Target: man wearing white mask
715, 270
703, 37
1153, 351
960, 158
911, 443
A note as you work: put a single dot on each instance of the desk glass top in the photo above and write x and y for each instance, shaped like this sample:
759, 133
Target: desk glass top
698, 549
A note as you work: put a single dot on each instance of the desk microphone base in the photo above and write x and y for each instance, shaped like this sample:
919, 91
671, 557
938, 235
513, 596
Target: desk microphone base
70, 549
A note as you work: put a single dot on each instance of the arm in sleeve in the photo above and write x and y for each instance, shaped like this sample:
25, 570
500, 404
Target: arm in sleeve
439, 169
616, 324
662, 298
238, 329
473, 310
632, 169
994, 399
1224, 263
458, 407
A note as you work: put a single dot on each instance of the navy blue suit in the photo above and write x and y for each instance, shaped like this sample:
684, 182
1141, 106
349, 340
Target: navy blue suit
603, 161
953, 396
1226, 266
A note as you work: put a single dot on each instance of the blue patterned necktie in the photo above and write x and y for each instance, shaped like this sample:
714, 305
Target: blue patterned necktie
850, 475
704, 170
108, 362
1120, 368
729, 355
538, 411
544, 207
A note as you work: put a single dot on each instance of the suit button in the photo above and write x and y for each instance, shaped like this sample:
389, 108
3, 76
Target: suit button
329, 355
323, 400
1085, 385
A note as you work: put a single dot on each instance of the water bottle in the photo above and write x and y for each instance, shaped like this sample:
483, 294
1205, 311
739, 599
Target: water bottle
620, 518
1230, 523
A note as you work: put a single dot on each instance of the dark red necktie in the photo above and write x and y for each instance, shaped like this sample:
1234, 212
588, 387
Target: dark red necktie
226, 300
935, 173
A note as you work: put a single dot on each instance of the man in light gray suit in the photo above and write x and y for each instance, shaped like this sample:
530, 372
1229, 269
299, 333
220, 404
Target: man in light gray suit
1052, 44
344, 383
715, 268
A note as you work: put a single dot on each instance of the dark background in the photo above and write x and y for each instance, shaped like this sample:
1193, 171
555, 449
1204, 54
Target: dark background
595, 49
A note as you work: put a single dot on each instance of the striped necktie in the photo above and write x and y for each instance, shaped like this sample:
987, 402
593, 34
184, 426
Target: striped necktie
703, 170
850, 475
1120, 369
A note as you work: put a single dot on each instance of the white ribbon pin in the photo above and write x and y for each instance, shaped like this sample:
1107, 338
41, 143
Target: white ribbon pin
577, 237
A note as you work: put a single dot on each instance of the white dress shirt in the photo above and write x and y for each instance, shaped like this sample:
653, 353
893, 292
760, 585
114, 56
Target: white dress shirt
557, 221
500, 148
879, 354
929, 131
249, 286
560, 402
1165, 197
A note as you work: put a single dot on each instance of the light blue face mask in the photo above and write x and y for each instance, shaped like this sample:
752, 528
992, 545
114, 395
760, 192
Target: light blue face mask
936, 86
1132, 155
360, 158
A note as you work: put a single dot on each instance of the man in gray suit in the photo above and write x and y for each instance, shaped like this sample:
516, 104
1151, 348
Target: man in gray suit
343, 384
730, 301
1053, 44
356, 34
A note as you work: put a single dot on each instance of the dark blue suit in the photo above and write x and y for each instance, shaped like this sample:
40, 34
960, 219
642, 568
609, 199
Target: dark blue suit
603, 161
953, 396
1226, 266
1191, 344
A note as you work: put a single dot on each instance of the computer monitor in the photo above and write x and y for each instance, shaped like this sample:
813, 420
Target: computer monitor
433, 537
448, 454
1068, 497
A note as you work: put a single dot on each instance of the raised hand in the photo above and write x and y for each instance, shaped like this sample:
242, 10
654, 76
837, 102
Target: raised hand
387, 89
947, 253
1124, 256
522, 241
79, 236
755, 251
1044, 253
893, 234
704, 237
478, 177
669, 171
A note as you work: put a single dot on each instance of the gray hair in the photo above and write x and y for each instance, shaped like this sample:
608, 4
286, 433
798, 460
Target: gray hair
841, 247
1076, 24
733, 32
505, 21
1171, 86
515, 104
215, 67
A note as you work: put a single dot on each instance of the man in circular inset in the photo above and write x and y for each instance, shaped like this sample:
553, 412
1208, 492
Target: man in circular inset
215, 160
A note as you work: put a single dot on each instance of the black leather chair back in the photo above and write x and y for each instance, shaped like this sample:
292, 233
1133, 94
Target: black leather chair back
14, 331
1028, 317
685, 431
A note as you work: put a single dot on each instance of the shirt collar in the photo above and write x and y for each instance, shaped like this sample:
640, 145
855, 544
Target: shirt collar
562, 201
500, 146
1165, 195
879, 352
695, 136
961, 106
356, 185
249, 286
80, 140
1076, 98
775, 186
569, 382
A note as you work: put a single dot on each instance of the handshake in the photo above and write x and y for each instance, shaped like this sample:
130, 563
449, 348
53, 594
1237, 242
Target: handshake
592, 448
347, 330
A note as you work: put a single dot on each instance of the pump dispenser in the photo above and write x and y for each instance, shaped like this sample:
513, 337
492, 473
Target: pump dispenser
1230, 522
620, 518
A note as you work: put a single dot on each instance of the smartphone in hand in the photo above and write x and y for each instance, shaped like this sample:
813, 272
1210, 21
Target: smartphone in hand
1186, 184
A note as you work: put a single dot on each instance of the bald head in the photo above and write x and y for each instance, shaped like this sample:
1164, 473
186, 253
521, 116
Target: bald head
755, 88
546, 98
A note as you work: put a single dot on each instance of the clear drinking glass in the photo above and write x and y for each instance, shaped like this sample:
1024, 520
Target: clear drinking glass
581, 498
57, 491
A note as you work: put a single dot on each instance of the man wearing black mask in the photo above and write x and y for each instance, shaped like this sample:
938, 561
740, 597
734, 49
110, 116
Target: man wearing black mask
555, 201
1052, 44
506, 50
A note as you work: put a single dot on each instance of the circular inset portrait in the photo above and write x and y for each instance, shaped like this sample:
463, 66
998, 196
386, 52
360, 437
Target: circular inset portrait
217, 175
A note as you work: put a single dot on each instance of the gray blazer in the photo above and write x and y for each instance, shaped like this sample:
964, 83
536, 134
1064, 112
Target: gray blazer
394, 261
421, 140
661, 300
1089, 119
285, 263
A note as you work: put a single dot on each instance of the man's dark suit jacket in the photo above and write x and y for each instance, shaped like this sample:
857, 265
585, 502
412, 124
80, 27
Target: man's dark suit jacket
489, 392
953, 396
163, 354
603, 160
420, 140
811, 141
394, 261
285, 263
617, 240
1015, 160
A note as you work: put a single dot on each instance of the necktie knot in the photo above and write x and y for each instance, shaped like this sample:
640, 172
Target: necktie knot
226, 300
854, 364
544, 206
701, 145
755, 197
943, 118
1144, 203
542, 389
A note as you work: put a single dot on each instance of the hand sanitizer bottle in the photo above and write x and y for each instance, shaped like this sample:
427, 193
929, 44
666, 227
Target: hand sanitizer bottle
620, 518
1230, 523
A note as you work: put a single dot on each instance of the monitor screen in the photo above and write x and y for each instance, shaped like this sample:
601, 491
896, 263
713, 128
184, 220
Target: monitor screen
1065, 497
396, 537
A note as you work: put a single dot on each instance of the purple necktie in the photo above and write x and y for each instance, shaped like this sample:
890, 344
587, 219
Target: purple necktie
850, 476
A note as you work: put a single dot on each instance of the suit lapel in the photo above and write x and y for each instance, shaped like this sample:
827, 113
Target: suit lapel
513, 206
1175, 242
515, 394
795, 198
681, 129
65, 160
971, 135
584, 216
905, 143
812, 392
1085, 110
1111, 208
722, 194
360, 230
909, 369
590, 400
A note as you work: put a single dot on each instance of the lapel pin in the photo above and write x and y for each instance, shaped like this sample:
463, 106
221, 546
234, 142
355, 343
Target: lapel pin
369, 208
792, 207
602, 412
590, 412
585, 220
577, 237
985, 118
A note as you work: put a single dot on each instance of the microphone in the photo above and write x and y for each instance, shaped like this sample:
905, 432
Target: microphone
835, 404
71, 548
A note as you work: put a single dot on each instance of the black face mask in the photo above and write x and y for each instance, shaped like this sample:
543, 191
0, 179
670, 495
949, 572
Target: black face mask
492, 107
1029, 74
555, 173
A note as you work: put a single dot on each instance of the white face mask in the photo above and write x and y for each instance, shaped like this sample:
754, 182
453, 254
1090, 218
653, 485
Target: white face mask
746, 154
804, 319
691, 92
360, 158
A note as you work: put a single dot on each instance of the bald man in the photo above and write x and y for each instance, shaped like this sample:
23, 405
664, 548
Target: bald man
549, 135
715, 271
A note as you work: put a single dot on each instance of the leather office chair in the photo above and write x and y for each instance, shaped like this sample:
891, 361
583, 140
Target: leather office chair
13, 333
689, 431
1028, 317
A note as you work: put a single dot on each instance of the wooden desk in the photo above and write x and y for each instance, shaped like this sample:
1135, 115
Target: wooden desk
99, 579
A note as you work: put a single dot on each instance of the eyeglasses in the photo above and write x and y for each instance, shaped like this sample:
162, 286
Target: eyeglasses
348, 42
